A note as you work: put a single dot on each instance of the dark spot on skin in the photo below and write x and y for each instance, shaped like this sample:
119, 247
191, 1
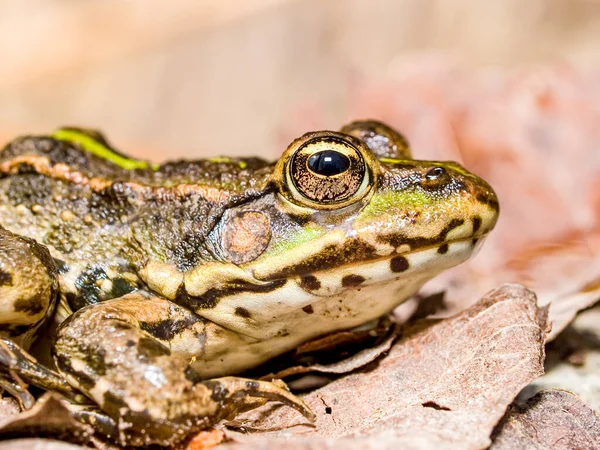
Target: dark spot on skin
252, 385
352, 280
112, 402
130, 343
84, 379
489, 200
443, 249
88, 291
219, 392
328, 410
308, 309
192, 376
167, 329
97, 362
399, 264
121, 287
242, 312
61, 266
5, 278
118, 325
476, 224
435, 406
31, 305
397, 240
310, 283
150, 348
15, 330
211, 298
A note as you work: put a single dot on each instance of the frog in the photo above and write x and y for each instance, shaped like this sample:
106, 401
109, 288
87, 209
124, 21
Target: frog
158, 285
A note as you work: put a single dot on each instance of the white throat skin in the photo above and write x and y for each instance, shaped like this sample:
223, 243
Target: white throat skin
281, 320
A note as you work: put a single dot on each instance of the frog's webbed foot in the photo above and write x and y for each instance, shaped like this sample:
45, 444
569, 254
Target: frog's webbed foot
235, 396
119, 354
18, 368
243, 394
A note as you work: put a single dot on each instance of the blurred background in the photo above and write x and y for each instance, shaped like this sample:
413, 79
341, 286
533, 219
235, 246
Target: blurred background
191, 77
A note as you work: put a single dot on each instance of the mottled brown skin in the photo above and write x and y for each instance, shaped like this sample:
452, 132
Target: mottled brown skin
90, 210
380, 138
174, 274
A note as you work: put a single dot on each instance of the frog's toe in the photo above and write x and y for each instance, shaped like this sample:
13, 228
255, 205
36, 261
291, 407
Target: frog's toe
18, 369
13, 385
241, 394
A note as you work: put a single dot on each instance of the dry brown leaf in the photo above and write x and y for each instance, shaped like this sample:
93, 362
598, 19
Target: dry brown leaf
8, 407
551, 420
347, 365
444, 384
579, 344
37, 444
353, 337
48, 418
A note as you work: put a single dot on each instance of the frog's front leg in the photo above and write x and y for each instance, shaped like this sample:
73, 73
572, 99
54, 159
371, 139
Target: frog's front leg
119, 353
28, 287
28, 294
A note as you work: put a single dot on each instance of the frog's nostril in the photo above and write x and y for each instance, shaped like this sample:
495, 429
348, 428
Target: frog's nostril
435, 178
435, 173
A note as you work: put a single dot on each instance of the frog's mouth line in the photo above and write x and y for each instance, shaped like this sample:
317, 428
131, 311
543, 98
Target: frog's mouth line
300, 293
398, 262
401, 262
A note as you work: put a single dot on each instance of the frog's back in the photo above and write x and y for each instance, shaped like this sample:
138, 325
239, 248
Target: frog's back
102, 214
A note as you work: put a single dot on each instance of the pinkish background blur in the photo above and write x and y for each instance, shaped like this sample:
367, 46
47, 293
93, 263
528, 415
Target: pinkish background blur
191, 78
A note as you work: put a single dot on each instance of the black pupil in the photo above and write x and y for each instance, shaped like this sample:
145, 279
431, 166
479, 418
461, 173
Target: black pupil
435, 173
328, 163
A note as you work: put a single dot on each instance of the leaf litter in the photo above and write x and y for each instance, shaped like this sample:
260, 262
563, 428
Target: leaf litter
445, 382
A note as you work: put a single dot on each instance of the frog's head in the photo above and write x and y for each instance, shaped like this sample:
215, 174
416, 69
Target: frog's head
353, 206
346, 227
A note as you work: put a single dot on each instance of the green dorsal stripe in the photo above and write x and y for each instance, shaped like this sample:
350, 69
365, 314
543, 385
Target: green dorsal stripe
89, 144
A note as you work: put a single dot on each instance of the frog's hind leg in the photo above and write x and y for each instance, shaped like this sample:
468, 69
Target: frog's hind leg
122, 353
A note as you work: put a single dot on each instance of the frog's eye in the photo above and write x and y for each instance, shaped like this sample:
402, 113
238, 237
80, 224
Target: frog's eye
327, 170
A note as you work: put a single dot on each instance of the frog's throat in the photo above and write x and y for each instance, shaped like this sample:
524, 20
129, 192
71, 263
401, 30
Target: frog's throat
339, 296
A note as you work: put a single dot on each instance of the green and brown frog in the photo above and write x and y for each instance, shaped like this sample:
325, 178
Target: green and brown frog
168, 280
